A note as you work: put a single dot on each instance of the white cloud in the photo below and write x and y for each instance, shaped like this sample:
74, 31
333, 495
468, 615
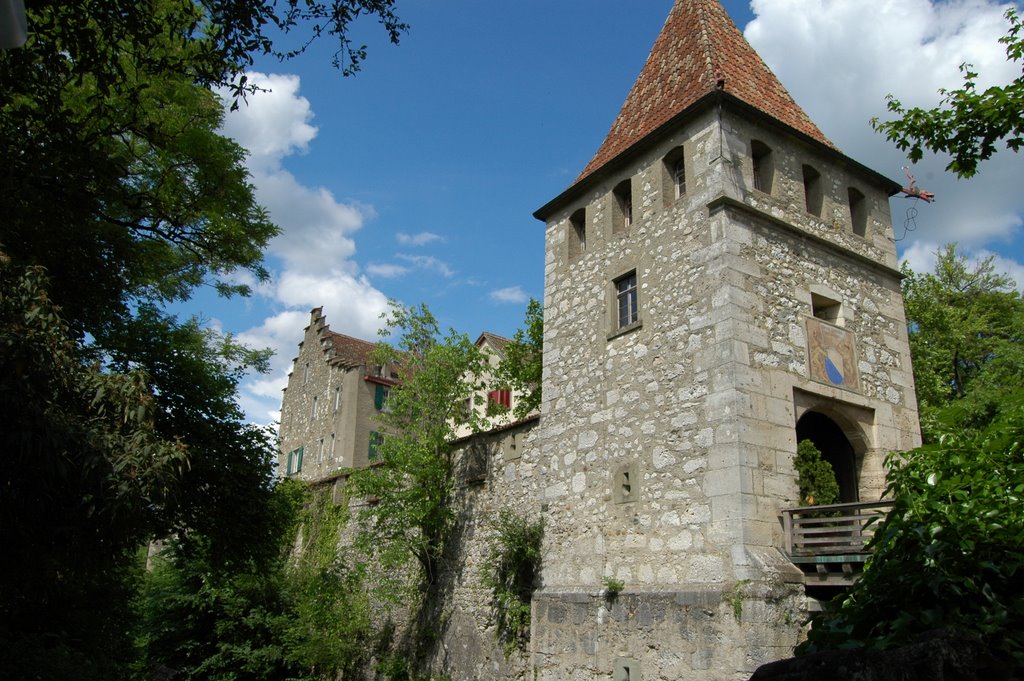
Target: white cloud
840, 58
273, 123
311, 260
921, 258
386, 270
512, 294
428, 262
421, 239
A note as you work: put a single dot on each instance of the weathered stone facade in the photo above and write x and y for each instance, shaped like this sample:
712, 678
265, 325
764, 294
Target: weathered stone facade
720, 282
330, 404
767, 304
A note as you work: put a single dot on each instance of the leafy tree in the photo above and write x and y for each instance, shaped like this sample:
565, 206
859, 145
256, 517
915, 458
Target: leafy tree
950, 554
293, 611
966, 326
523, 364
816, 478
967, 124
412, 514
122, 424
85, 476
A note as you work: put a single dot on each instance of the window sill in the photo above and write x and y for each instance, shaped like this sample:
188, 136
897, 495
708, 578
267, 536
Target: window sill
623, 330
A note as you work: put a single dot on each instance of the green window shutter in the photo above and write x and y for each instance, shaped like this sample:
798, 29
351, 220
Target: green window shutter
378, 397
291, 459
298, 465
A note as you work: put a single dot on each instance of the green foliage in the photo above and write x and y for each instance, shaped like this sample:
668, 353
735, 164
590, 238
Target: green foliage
951, 552
966, 327
967, 124
85, 478
612, 587
413, 515
523, 364
512, 572
734, 597
815, 477
329, 631
120, 420
294, 612
151, 201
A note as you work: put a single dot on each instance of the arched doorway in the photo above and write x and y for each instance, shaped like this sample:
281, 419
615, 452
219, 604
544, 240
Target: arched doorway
835, 448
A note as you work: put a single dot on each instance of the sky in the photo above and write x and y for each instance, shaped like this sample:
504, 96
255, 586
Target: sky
416, 179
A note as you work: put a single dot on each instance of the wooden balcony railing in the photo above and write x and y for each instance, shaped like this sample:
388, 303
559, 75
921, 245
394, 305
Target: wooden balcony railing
833, 536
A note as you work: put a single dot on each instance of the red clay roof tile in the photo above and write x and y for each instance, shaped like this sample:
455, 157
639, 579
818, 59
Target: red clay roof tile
698, 47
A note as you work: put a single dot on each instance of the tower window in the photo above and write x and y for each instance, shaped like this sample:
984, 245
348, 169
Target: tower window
764, 166
858, 212
813, 195
674, 186
626, 300
827, 309
623, 215
577, 234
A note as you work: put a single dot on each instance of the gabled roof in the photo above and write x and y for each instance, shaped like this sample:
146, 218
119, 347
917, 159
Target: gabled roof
340, 349
699, 51
495, 341
348, 351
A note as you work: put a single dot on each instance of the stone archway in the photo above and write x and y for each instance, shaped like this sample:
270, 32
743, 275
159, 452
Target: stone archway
835, 448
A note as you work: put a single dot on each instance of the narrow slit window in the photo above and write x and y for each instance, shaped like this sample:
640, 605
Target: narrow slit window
763, 166
858, 212
813, 194
623, 216
674, 187
577, 234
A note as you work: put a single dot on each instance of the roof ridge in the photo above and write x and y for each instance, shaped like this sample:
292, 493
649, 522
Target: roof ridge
699, 51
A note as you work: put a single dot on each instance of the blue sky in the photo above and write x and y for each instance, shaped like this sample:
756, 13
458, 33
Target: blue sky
417, 178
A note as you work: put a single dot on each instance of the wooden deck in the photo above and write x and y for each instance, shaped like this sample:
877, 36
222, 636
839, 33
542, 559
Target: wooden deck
829, 543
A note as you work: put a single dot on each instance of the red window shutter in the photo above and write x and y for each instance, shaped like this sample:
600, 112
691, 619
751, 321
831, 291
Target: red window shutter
505, 398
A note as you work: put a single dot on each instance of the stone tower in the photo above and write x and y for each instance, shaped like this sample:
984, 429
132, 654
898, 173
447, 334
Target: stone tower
720, 282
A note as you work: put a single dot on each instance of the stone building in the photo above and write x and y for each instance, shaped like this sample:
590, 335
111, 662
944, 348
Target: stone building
334, 393
329, 404
720, 282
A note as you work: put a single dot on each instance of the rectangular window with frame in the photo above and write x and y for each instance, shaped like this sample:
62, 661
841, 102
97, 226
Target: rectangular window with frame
626, 302
294, 461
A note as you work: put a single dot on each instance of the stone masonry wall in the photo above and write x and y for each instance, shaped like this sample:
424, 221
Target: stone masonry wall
663, 453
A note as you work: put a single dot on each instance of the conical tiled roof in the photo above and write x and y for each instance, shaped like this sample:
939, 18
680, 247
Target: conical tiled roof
700, 50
